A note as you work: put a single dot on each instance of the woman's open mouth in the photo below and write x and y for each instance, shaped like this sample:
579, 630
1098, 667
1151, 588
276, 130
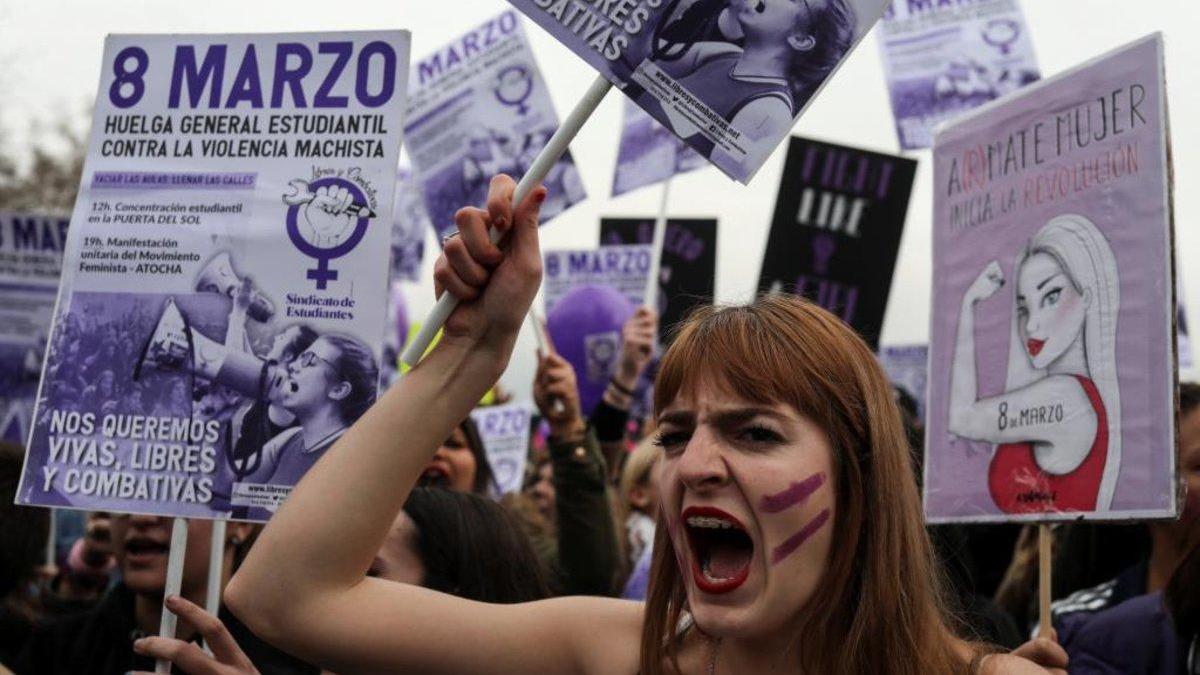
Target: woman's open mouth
434, 476
721, 549
1035, 346
141, 550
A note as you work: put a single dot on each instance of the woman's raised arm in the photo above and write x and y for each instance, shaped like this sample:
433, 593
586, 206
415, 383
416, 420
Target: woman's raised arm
304, 586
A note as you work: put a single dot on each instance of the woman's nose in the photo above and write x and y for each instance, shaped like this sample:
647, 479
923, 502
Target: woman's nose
702, 465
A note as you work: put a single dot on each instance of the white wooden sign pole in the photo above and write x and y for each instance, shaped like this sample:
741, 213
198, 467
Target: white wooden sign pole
166, 628
650, 297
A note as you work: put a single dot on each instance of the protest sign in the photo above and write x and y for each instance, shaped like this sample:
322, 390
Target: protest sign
836, 231
225, 274
504, 430
729, 77
478, 107
1052, 302
30, 263
621, 267
590, 294
688, 267
907, 367
943, 58
649, 153
410, 227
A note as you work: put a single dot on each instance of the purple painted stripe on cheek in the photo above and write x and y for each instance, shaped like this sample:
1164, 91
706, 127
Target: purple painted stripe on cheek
794, 542
797, 493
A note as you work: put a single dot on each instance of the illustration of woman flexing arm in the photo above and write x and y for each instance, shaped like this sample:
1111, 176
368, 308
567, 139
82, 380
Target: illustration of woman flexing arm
1057, 426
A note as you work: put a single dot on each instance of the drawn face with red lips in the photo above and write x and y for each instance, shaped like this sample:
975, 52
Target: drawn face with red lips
749, 506
1050, 310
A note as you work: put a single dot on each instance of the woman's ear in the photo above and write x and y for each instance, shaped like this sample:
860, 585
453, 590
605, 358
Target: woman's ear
802, 43
340, 390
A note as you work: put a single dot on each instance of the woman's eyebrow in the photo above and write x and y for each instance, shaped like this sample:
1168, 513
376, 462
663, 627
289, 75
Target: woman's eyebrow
736, 416
1048, 279
681, 418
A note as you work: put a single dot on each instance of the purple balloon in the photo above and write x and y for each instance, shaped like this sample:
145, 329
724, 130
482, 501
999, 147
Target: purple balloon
585, 326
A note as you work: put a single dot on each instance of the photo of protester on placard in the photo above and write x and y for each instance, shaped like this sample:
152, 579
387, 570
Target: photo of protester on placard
729, 77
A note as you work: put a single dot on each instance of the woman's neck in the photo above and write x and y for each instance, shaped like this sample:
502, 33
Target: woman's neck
320, 425
770, 61
1073, 361
775, 654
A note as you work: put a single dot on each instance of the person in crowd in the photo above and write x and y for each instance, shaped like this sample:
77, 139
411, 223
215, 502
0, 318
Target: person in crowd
610, 418
460, 462
101, 639
639, 497
793, 537
23, 534
1168, 538
1151, 633
570, 492
446, 540
85, 575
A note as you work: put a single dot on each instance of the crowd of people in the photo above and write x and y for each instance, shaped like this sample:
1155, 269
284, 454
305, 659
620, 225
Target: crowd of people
765, 518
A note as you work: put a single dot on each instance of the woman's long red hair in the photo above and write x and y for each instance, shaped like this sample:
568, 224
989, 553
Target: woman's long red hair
878, 608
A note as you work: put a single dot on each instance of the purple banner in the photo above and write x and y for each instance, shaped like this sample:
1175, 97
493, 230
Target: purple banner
944, 58
1052, 300
729, 77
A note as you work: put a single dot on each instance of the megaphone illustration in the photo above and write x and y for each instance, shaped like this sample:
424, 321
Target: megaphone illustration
218, 276
174, 346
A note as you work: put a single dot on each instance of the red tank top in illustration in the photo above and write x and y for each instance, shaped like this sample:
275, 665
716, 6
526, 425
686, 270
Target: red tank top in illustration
1018, 485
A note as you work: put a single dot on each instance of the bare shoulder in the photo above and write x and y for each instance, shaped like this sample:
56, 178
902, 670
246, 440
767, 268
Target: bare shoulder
606, 632
1007, 664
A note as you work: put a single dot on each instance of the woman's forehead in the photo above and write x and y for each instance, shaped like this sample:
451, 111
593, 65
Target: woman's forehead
710, 394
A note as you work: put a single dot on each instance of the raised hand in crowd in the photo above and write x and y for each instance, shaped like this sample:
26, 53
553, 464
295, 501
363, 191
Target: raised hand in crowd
227, 657
639, 336
556, 393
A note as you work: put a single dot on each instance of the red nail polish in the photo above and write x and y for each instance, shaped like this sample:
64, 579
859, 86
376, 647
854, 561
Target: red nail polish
539, 197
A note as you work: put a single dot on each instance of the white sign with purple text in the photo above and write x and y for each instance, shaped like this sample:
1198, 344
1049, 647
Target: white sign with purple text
478, 107
943, 57
504, 430
225, 275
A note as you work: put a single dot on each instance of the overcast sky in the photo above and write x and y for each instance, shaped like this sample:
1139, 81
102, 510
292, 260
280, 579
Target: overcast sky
50, 61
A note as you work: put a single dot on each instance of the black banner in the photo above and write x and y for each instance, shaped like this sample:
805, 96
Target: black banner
836, 230
688, 273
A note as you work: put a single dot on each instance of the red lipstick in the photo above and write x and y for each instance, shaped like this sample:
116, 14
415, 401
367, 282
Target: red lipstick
699, 547
1035, 346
